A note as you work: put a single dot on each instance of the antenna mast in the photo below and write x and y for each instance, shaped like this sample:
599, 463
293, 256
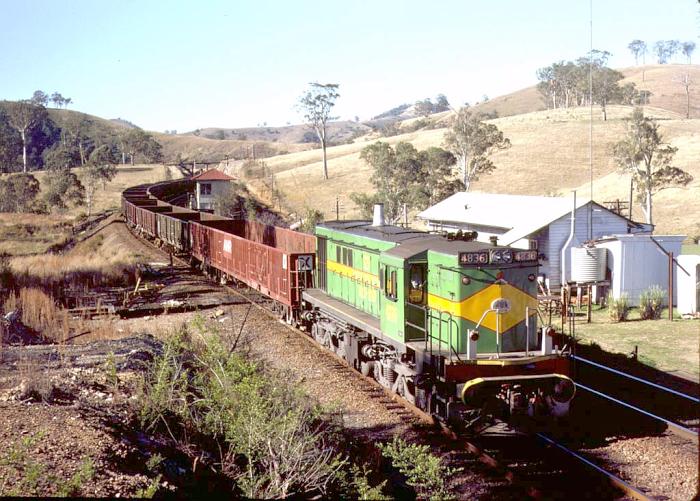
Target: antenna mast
590, 126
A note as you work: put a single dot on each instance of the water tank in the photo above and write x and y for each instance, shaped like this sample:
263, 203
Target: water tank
588, 264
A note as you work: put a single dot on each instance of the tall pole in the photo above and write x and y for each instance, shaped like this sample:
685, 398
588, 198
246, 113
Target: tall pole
631, 191
590, 127
670, 285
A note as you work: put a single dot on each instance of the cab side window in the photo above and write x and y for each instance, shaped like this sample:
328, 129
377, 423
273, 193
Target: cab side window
390, 283
416, 285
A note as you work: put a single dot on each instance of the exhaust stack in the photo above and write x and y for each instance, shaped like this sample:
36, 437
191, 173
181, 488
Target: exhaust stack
378, 215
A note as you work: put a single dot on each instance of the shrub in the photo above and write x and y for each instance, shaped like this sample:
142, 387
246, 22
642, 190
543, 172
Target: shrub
618, 309
651, 302
424, 471
271, 440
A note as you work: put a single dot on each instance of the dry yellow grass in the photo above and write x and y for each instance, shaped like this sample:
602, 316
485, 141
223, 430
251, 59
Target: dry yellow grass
97, 261
203, 149
549, 154
40, 313
664, 82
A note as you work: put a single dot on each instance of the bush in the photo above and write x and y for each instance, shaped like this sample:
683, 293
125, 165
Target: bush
618, 309
651, 302
424, 472
271, 441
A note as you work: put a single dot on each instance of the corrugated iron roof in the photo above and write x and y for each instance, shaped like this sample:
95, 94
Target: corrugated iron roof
499, 210
518, 215
212, 175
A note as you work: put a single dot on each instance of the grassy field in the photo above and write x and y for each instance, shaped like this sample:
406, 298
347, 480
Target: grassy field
28, 234
549, 154
670, 346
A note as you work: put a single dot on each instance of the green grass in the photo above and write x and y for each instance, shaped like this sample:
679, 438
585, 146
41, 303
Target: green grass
690, 249
670, 346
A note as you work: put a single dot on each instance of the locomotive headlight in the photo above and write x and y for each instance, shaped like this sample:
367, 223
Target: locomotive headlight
466, 280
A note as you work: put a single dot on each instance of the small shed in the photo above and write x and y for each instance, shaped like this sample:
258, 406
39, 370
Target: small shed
208, 185
689, 285
636, 262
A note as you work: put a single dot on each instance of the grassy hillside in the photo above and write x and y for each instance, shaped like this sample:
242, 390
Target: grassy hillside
338, 132
663, 80
203, 149
549, 154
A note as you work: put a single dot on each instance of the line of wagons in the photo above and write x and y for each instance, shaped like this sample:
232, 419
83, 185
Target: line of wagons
447, 323
264, 257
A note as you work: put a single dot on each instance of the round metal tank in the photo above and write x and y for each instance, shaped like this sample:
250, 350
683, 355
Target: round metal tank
588, 264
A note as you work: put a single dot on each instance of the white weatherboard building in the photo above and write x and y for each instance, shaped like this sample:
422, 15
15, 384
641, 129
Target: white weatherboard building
208, 185
635, 260
518, 219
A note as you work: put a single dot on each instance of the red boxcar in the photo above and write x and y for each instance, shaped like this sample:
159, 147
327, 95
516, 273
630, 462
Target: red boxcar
280, 272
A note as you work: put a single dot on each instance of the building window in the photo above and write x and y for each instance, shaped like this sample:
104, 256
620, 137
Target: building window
205, 189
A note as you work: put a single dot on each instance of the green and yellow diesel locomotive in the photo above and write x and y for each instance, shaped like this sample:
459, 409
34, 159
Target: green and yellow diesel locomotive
447, 322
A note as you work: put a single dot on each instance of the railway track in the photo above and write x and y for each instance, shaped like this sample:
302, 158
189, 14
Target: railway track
679, 412
544, 480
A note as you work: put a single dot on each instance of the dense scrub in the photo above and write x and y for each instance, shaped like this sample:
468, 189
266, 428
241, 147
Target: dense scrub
263, 435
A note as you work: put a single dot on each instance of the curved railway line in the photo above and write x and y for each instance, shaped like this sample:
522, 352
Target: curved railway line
541, 453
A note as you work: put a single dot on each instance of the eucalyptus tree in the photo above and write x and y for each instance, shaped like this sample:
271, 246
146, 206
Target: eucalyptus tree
647, 157
688, 48
638, 48
23, 116
316, 105
471, 141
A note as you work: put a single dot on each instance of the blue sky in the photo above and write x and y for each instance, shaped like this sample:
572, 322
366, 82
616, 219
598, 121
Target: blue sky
186, 64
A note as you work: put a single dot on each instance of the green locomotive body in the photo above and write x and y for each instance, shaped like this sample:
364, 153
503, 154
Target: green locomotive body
447, 323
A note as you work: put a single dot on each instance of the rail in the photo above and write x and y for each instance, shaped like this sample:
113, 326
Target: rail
634, 378
676, 428
617, 481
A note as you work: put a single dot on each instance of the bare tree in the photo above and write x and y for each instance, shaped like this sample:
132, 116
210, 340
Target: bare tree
23, 116
686, 82
316, 105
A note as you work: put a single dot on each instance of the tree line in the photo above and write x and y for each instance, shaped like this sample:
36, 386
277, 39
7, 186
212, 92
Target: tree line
664, 50
30, 138
575, 83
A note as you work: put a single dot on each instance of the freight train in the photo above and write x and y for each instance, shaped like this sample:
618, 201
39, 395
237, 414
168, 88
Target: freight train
446, 322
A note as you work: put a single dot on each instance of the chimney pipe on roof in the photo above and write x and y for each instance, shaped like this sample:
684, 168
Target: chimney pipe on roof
378, 215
